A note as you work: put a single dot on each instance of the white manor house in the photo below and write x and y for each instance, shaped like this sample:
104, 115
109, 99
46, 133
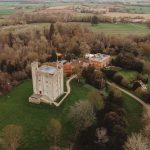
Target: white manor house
48, 83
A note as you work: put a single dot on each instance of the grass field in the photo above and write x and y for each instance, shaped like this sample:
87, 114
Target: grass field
128, 74
110, 29
137, 9
121, 29
12, 7
134, 114
15, 109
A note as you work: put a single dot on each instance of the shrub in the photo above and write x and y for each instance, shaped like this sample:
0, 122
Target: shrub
125, 83
137, 142
118, 78
143, 78
146, 96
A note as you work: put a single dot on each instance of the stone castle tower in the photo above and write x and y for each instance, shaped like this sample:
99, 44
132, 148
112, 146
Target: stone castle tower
48, 83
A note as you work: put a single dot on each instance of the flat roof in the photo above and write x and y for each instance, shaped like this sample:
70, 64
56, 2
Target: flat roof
99, 57
48, 69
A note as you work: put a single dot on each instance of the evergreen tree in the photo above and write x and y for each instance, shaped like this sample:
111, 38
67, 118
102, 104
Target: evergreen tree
10, 39
94, 20
53, 55
51, 32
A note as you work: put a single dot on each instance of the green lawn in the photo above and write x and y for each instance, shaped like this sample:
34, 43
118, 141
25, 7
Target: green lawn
7, 11
120, 28
128, 74
134, 114
11, 7
137, 9
15, 109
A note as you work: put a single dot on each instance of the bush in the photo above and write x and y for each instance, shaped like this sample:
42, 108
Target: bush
146, 97
143, 78
125, 83
127, 61
117, 78
109, 73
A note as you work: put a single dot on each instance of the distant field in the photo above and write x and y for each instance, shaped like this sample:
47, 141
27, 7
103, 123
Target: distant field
137, 9
122, 29
7, 11
11, 7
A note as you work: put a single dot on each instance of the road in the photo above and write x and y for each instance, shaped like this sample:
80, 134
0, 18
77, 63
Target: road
68, 90
146, 106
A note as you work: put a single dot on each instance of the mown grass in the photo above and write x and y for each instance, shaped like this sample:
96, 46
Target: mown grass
134, 114
15, 109
120, 28
137, 9
130, 75
7, 11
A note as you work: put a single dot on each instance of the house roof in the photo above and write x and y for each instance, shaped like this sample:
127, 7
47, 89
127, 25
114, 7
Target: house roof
48, 69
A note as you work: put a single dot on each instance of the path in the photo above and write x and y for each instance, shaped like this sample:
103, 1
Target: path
146, 106
68, 90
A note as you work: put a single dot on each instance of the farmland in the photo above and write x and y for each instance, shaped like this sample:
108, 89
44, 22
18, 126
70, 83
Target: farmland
122, 29
137, 9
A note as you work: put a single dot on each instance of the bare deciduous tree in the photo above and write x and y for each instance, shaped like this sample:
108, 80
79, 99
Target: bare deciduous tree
54, 131
96, 99
11, 137
137, 142
101, 134
82, 115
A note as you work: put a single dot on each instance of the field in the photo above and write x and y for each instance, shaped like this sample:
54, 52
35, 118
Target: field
122, 29
137, 9
8, 8
134, 113
111, 29
118, 15
15, 109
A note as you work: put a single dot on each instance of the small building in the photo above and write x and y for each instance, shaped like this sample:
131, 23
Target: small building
98, 60
48, 83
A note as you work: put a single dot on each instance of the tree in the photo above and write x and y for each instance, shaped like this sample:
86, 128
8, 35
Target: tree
137, 142
11, 137
53, 55
148, 24
10, 39
55, 148
84, 48
51, 31
78, 71
101, 134
94, 20
54, 131
96, 99
82, 115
